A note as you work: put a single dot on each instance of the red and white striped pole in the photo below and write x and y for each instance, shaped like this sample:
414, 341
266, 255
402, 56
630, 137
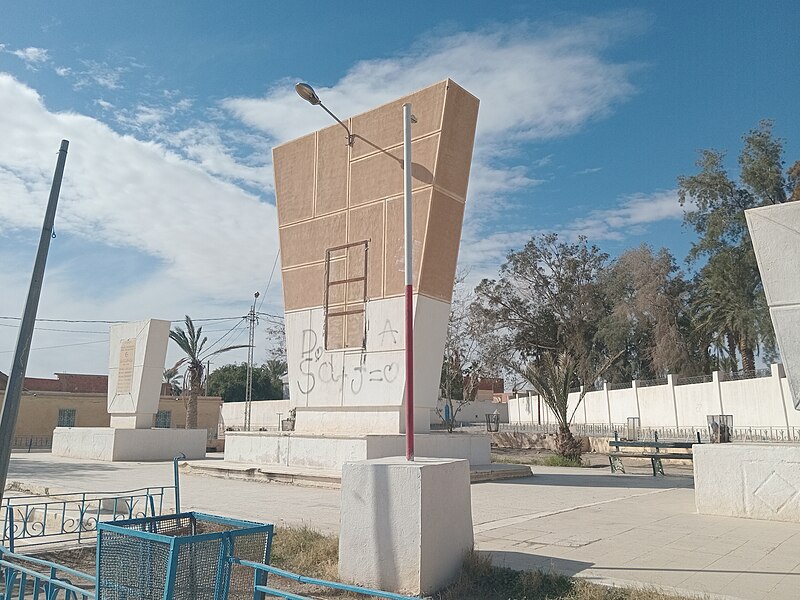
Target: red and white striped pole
409, 281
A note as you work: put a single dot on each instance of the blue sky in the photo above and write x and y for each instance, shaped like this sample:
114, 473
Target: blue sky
589, 112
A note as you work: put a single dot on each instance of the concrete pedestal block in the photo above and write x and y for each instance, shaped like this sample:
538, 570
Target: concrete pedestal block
107, 443
405, 526
757, 481
332, 451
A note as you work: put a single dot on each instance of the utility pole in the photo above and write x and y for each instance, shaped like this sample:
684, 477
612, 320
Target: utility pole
248, 394
10, 409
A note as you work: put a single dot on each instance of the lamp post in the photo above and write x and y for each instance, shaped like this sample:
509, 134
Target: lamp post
409, 280
307, 93
10, 407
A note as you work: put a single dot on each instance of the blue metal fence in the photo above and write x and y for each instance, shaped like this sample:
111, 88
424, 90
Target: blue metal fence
27, 578
34, 520
177, 557
262, 571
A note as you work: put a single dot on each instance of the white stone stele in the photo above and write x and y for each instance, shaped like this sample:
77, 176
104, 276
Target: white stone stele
757, 481
775, 232
330, 452
405, 526
135, 371
109, 444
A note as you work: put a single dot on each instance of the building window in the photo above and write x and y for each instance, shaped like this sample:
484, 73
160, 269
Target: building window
164, 419
66, 417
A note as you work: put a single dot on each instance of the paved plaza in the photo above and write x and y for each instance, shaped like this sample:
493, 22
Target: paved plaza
619, 529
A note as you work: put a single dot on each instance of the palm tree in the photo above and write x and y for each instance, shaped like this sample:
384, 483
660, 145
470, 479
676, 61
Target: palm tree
172, 377
730, 306
553, 378
554, 375
189, 340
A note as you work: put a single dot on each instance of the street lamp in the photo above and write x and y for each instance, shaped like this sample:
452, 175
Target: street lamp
307, 93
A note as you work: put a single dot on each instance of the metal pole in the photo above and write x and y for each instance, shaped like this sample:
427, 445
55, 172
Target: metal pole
10, 409
177, 482
248, 393
409, 281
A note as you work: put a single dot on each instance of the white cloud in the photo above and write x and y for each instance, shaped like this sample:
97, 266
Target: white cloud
63, 71
33, 57
489, 186
148, 115
533, 84
631, 216
99, 73
589, 171
210, 236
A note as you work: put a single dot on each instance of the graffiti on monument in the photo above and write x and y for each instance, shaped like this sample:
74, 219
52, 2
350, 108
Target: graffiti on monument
316, 365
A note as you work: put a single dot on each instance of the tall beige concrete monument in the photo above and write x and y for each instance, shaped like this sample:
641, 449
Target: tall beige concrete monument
137, 352
340, 218
762, 481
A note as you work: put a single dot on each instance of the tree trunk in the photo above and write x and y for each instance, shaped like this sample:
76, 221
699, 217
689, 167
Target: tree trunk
191, 411
566, 444
191, 404
748, 356
732, 352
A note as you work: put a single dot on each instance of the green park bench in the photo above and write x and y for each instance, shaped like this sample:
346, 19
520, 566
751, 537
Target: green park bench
649, 449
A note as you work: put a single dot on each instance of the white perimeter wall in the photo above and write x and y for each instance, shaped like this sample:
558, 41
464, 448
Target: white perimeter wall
263, 413
473, 412
761, 402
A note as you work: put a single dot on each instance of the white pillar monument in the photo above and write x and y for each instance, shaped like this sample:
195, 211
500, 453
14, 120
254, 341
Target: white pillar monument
135, 370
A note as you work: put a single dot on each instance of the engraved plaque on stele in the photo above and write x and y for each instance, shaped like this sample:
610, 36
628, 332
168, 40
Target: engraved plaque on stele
127, 353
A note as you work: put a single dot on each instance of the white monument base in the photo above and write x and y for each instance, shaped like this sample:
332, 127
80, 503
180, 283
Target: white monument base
106, 443
332, 451
757, 481
405, 526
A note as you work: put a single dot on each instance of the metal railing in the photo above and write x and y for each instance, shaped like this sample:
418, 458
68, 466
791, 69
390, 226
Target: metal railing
32, 442
26, 578
693, 380
34, 520
651, 382
738, 434
262, 571
739, 375
584, 429
622, 385
236, 428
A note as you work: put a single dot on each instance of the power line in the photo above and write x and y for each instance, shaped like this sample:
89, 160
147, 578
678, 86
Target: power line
116, 322
60, 330
269, 315
241, 319
60, 346
269, 281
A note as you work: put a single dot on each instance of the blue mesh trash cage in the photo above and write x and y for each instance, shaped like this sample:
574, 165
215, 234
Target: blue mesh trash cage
182, 557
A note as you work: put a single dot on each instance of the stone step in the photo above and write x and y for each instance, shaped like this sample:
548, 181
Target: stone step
308, 476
